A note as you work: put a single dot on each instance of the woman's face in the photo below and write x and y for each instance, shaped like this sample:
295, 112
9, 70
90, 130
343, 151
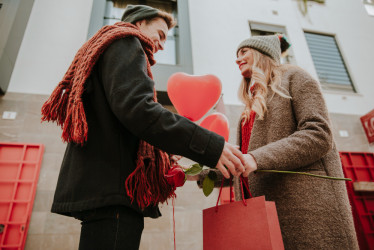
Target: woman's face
245, 62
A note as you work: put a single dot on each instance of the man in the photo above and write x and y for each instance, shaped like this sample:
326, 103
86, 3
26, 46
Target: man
112, 172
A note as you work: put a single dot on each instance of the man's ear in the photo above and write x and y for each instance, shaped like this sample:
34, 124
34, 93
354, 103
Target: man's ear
139, 23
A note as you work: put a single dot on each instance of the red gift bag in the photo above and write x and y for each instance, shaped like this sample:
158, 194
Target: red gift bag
247, 224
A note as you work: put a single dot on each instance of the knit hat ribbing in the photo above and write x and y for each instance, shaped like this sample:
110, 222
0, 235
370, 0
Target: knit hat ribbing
268, 45
134, 13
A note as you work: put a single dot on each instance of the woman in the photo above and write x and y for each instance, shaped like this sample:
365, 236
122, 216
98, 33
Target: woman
291, 131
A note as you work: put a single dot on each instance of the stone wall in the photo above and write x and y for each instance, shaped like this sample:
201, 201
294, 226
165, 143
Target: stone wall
51, 231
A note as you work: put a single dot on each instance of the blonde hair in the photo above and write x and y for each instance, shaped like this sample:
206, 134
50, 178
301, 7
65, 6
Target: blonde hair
266, 73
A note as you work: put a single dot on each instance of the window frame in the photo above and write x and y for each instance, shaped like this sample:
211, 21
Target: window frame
331, 87
273, 28
161, 72
369, 7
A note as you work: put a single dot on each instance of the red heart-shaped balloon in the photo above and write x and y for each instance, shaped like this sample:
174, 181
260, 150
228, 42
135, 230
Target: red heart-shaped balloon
193, 96
218, 123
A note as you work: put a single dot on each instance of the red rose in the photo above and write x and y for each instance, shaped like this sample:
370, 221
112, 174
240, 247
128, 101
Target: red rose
175, 176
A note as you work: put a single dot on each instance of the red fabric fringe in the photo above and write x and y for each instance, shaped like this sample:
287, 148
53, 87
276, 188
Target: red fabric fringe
147, 184
64, 106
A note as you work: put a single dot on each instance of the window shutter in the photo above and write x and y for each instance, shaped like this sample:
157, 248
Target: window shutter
328, 61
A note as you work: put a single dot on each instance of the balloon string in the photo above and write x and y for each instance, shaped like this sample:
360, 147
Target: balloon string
173, 202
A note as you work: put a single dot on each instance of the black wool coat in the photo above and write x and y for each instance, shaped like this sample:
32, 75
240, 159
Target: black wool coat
120, 111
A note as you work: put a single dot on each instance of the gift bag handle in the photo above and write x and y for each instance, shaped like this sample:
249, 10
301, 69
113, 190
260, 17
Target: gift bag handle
242, 180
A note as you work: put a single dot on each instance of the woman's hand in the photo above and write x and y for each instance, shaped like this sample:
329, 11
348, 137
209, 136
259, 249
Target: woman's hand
250, 164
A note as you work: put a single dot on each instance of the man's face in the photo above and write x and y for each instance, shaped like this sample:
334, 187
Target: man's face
156, 30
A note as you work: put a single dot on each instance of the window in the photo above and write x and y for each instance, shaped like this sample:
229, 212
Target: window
177, 55
369, 6
114, 11
259, 29
331, 69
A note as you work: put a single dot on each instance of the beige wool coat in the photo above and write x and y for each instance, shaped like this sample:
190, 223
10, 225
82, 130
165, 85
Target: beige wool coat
296, 135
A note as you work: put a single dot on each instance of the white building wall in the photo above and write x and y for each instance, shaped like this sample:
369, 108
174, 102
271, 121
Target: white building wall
55, 31
217, 27
353, 27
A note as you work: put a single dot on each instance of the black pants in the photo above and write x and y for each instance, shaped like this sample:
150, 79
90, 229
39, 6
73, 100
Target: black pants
115, 227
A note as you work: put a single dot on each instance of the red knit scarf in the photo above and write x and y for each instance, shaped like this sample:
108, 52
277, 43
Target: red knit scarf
147, 183
246, 128
246, 131
245, 136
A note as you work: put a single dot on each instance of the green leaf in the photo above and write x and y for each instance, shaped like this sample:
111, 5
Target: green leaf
208, 185
194, 170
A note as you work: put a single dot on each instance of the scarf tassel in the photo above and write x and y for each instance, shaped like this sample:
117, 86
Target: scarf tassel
147, 183
51, 110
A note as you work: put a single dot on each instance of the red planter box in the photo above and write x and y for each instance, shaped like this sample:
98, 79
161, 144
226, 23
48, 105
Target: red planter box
19, 173
359, 166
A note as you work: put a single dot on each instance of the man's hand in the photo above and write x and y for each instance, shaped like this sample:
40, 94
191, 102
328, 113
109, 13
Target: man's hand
175, 158
232, 159
250, 164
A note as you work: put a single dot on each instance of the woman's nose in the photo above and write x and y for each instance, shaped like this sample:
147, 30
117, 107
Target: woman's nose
237, 61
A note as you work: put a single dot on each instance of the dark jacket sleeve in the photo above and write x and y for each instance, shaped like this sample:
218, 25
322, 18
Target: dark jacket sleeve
130, 91
313, 136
